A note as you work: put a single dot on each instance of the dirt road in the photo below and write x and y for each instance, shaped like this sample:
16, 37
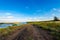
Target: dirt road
30, 32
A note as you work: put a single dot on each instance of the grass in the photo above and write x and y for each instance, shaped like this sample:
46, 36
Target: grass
48, 25
9, 30
52, 26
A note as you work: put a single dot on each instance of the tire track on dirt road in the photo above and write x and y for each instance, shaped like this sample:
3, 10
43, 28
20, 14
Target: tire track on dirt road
30, 32
15, 35
44, 34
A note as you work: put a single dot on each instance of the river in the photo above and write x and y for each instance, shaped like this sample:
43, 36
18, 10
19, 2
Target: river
10, 24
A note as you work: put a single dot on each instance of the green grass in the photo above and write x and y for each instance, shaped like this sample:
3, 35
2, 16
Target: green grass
53, 26
9, 30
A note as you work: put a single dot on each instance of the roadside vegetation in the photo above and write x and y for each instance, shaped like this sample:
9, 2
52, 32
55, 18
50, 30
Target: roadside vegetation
5, 32
53, 26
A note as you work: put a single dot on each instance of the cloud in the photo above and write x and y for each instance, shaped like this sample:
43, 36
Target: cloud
58, 10
54, 9
8, 13
7, 16
46, 16
35, 18
53, 14
10, 17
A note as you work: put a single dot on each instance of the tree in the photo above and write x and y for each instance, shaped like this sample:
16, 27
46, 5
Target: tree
56, 19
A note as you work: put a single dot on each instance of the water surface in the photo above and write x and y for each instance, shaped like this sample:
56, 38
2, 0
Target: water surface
10, 24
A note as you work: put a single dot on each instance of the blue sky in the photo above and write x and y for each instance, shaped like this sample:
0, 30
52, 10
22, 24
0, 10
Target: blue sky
28, 10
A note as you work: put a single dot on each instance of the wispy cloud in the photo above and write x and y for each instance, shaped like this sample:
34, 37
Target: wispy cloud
9, 17
8, 13
54, 9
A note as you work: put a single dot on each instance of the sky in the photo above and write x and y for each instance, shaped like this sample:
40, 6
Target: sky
28, 10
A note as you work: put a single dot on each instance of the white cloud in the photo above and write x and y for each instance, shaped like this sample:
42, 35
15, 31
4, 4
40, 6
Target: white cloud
8, 13
10, 17
53, 14
48, 16
58, 10
54, 9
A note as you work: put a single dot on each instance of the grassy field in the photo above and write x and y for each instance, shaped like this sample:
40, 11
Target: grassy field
52, 26
4, 32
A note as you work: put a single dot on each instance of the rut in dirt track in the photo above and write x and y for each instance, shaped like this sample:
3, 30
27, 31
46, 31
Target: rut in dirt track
42, 34
22, 36
33, 33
